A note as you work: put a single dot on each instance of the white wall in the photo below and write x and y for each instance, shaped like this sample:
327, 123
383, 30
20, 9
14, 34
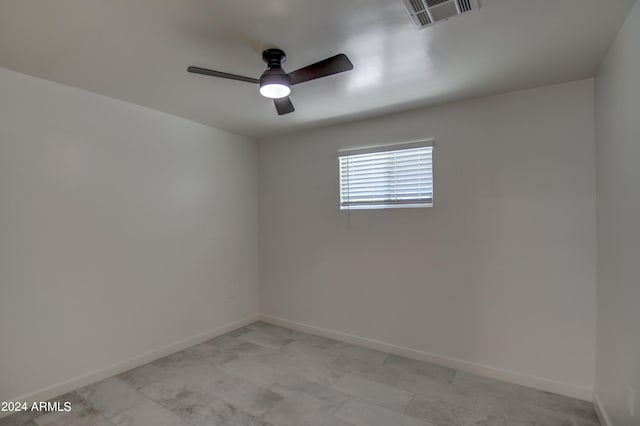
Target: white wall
501, 272
618, 183
122, 230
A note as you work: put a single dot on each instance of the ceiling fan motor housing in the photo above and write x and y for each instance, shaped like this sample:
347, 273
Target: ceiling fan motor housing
274, 57
274, 73
274, 82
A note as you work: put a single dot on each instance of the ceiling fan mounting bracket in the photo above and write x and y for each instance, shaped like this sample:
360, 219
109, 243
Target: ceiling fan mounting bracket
274, 57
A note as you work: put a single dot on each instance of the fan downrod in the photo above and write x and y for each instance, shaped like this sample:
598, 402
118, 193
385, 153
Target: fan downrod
274, 57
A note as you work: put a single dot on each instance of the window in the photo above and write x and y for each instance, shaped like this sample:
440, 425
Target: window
387, 177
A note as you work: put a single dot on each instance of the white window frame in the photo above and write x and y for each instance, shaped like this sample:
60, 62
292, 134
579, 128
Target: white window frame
387, 204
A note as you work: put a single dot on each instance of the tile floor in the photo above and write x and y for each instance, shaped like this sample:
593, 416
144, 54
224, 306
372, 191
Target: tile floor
263, 375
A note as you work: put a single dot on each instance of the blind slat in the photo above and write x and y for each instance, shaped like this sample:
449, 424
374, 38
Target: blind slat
399, 158
415, 168
390, 189
407, 201
387, 162
384, 175
390, 196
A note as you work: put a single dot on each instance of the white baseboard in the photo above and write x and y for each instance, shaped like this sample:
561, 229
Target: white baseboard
120, 367
540, 383
605, 420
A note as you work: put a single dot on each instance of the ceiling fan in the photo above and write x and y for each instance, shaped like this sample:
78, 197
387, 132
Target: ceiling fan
276, 84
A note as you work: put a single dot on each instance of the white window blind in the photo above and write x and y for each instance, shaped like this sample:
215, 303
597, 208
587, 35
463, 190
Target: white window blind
385, 177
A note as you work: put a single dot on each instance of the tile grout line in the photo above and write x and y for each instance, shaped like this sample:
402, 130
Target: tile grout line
410, 401
341, 404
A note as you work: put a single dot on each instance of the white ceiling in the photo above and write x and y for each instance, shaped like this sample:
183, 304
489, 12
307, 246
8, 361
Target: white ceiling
138, 51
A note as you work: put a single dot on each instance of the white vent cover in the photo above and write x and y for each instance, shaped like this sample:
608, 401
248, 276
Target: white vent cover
428, 12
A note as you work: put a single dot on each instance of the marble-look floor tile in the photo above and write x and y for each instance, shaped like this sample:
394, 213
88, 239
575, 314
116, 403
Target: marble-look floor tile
73, 397
88, 417
177, 359
364, 413
80, 411
249, 349
148, 414
177, 396
266, 339
378, 393
500, 389
219, 412
239, 392
112, 396
208, 353
192, 372
239, 331
521, 412
219, 349
490, 420
317, 396
213, 352
443, 414
312, 370
19, 419
374, 372
449, 393
266, 327
314, 339
583, 410
358, 353
144, 375
580, 422
291, 412
426, 369
256, 372
315, 351
226, 341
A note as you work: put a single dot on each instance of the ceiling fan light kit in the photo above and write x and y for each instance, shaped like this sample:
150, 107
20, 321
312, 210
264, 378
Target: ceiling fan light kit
276, 84
274, 90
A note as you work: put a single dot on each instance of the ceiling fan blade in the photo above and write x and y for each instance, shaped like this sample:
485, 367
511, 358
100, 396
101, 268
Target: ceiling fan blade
283, 105
204, 71
333, 65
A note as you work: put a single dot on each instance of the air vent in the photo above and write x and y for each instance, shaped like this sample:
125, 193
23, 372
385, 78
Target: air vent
428, 12
464, 5
419, 14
